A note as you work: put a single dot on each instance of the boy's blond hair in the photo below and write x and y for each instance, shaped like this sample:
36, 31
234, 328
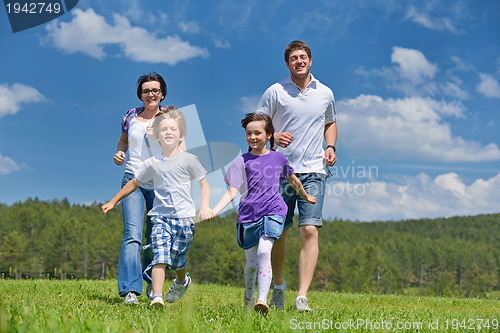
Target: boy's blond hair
174, 114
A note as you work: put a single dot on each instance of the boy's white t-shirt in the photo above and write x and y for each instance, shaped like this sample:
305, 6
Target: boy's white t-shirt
172, 178
138, 151
304, 114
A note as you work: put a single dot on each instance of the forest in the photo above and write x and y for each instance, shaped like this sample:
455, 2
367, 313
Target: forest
457, 256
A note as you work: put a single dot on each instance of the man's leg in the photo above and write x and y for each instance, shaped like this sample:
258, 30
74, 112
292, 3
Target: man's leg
308, 257
278, 255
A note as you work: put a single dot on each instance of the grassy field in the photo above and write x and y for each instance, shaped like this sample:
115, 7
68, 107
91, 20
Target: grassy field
94, 306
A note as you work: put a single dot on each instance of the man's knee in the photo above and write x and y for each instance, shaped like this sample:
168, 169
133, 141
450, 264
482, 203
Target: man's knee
308, 233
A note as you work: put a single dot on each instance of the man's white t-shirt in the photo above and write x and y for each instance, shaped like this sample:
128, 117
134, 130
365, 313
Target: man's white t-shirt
172, 178
304, 114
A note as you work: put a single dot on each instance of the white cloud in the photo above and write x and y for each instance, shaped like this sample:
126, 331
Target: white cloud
433, 23
488, 86
413, 65
418, 197
409, 128
414, 75
89, 33
221, 43
12, 98
7, 165
191, 27
249, 103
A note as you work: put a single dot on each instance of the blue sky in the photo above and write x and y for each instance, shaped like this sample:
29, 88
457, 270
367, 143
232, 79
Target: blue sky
416, 85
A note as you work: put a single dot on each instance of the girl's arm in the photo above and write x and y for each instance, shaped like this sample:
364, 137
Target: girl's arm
297, 186
205, 211
125, 191
225, 200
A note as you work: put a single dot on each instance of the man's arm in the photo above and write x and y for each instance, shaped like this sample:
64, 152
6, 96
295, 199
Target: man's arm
330, 139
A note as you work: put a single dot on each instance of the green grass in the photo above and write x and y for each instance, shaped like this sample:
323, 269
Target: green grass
94, 306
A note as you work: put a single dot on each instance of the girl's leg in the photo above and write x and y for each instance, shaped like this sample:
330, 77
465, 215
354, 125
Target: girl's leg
250, 272
265, 270
158, 275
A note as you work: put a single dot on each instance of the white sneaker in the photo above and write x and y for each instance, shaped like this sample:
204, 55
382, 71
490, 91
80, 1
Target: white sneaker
301, 304
176, 290
131, 298
278, 297
157, 303
149, 291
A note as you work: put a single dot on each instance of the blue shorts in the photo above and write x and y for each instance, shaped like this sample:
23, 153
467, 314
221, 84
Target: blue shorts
170, 238
309, 214
248, 234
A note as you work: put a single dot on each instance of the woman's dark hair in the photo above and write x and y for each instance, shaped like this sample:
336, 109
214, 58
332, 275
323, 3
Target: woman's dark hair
268, 127
149, 78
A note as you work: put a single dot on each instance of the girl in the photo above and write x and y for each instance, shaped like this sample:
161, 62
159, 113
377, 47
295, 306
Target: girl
262, 211
171, 172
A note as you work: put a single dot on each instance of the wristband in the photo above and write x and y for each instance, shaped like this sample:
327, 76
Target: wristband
331, 146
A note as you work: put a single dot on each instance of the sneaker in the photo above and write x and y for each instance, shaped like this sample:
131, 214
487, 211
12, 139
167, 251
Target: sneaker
149, 291
248, 303
131, 298
157, 303
301, 304
261, 307
278, 297
176, 290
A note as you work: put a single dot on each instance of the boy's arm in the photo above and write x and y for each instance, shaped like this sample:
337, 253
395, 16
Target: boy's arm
225, 200
125, 191
205, 211
297, 186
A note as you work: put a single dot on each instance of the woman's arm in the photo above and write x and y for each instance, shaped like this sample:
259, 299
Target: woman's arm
122, 148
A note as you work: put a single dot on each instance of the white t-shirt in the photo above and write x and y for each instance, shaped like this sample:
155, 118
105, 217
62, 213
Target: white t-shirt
172, 178
138, 150
304, 114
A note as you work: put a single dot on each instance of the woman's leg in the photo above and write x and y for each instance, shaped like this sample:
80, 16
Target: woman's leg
129, 266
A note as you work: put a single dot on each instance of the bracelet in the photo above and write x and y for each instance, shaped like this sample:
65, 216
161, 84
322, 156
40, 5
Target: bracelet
331, 146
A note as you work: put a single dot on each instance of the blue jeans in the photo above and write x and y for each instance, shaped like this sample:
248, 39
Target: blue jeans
129, 266
309, 214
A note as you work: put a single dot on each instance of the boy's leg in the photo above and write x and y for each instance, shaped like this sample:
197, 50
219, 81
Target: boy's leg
158, 275
180, 275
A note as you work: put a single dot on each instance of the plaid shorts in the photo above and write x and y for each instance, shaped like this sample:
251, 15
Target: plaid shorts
170, 238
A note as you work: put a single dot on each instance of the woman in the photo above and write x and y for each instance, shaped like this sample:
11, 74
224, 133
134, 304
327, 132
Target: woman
151, 90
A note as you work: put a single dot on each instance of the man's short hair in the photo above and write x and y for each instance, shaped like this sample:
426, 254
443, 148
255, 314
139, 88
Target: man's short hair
297, 45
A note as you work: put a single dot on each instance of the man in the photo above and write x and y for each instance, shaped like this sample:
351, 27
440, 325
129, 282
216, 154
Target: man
303, 113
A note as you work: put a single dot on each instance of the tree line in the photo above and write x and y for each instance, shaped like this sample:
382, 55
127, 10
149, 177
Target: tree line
457, 256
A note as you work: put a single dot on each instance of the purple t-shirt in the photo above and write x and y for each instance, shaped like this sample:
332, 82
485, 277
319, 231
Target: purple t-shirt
257, 178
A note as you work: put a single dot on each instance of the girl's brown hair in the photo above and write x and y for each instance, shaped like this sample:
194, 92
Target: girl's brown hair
268, 127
